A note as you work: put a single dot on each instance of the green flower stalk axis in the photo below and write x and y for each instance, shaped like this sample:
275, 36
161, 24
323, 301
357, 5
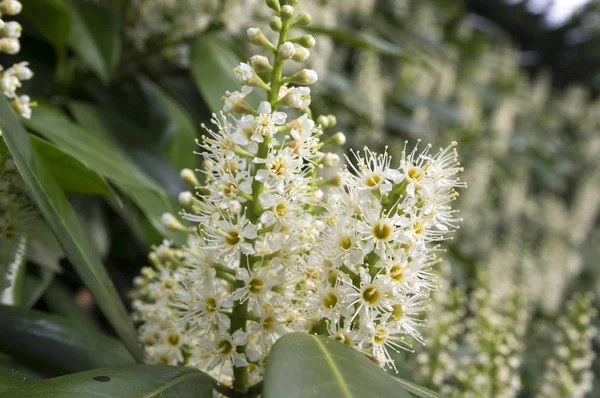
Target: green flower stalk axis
279, 248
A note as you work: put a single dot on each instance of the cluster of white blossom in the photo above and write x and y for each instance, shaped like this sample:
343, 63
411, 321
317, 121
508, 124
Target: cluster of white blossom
490, 366
568, 373
277, 247
437, 360
11, 78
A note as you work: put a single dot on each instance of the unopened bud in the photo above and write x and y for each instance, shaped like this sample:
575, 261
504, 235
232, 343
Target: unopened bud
287, 50
287, 12
275, 23
171, 223
332, 121
261, 64
186, 199
247, 76
256, 36
164, 253
10, 7
331, 159
303, 19
9, 46
305, 77
301, 54
293, 3
307, 41
12, 29
323, 121
274, 5
337, 139
189, 177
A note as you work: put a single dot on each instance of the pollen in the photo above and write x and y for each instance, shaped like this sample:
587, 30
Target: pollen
382, 230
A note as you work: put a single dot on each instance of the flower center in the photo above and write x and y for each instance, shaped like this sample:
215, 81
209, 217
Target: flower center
381, 336
373, 180
232, 238
225, 347
371, 295
211, 304
256, 286
382, 230
278, 167
414, 173
345, 242
398, 311
269, 323
173, 339
418, 227
281, 209
230, 189
396, 273
330, 300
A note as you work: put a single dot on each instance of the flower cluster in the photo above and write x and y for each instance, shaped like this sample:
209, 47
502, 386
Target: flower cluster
569, 371
279, 248
11, 78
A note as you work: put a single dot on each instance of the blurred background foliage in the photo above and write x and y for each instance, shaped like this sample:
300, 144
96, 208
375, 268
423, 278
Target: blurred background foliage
121, 99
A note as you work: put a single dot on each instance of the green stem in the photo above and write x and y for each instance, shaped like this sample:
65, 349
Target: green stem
238, 322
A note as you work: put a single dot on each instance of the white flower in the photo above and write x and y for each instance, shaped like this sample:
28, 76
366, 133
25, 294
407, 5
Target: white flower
287, 50
234, 101
223, 349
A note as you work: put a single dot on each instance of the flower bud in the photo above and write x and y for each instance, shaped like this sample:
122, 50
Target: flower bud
247, 76
189, 177
306, 41
164, 253
186, 199
287, 50
171, 223
303, 19
2, 24
275, 23
274, 5
9, 46
337, 139
10, 7
22, 106
293, 3
257, 37
305, 77
301, 54
332, 121
287, 12
260, 64
12, 29
323, 121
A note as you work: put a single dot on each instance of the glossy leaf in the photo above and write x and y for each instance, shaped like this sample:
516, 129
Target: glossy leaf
134, 381
95, 36
70, 173
10, 380
39, 12
416, 390
182, 131
59, 214
99, 153
305, 365
212, 64
57, 344
13, 263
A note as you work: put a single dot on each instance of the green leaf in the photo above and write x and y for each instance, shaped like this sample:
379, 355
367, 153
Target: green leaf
99, 153
35, 286
95, 36
305, 365
360, 40
212, 63
11, 380
181, 128
57, 344
59, 214
134, 381
416, 390
70, 173
12, 269
39, 12
59, 299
